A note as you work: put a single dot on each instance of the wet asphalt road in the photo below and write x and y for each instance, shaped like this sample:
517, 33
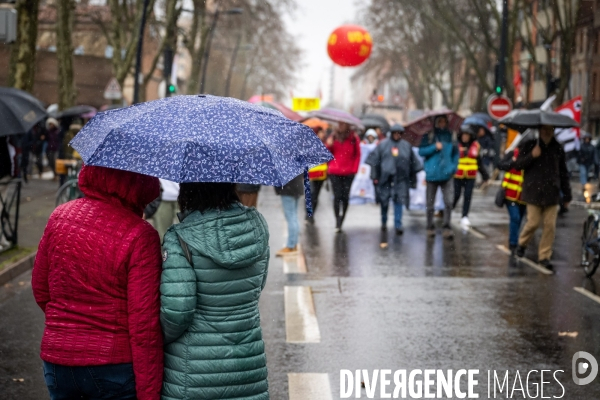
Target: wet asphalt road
419, 304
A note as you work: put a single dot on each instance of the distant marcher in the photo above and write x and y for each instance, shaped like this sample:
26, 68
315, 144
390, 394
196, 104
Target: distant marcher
317, 176
362, 190
394, 167
248, 194
67, 152
587, 160
441, 160
487, 150
513, 186
53, 144
344, 144
214, 268
166, 213
291, 193
469, 163
96, 277
545, 176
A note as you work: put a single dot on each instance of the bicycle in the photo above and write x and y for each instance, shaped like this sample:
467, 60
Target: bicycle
70, 189
590, 243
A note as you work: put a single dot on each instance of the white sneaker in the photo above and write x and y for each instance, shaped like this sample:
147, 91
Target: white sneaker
465, 223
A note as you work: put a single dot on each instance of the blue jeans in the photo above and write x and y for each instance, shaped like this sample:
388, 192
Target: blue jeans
516, 212
112, 381
290, 210
583, 173
397, 214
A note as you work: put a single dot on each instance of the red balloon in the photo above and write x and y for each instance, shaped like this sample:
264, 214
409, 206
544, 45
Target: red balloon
349, 45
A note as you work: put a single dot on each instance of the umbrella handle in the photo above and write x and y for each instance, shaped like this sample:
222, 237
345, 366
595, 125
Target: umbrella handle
307, 194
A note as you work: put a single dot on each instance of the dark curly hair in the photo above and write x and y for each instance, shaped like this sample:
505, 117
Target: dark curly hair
203, 196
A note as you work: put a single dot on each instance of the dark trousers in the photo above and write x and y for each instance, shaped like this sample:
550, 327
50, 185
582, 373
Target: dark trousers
315, 189
340, 185
113, 381
447, 188
468, 185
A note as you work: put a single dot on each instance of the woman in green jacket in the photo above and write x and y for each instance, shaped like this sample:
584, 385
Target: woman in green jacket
214, 269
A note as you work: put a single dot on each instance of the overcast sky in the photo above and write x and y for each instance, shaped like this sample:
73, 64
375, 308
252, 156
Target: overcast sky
311, 24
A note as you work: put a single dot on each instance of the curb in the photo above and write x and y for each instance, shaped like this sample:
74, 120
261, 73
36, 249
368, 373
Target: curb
17, 268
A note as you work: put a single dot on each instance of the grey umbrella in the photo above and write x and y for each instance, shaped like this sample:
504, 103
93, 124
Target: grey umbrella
19, 111
375, 121
523, 119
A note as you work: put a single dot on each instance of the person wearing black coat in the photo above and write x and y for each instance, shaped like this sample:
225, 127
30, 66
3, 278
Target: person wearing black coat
587, 159
545, 177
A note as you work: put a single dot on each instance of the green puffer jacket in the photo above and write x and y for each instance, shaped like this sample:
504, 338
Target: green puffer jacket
209, 311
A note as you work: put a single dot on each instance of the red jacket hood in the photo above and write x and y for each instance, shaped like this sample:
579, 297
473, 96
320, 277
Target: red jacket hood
130, 189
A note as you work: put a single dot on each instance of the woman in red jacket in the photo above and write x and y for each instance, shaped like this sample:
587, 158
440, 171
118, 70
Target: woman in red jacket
344, 144
96, 277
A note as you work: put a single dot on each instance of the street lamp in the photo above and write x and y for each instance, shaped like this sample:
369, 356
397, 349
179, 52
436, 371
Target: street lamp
213, 25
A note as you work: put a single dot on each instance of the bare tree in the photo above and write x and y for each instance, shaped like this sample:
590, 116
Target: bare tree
64, 53
120, 27
22, 57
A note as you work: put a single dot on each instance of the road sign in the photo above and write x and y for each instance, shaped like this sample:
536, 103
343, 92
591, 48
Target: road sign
306, 103
499, 106
113, 90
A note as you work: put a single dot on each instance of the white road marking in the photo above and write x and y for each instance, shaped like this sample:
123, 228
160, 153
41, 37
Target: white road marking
309, 386
587, 293
295, 264
471, 230
301, 325
527, 261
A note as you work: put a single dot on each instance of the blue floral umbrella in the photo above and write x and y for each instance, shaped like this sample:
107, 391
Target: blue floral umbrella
202, 139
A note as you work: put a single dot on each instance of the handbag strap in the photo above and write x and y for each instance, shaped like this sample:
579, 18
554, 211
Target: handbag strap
185, 248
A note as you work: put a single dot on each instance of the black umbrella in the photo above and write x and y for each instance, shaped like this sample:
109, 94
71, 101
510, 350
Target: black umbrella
523, 119
375, 121
76, 111
19, 111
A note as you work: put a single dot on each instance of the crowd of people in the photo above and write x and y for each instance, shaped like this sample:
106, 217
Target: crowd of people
47, 142
534, 183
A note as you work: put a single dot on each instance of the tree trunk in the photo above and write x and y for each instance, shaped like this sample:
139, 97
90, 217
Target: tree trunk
22, 57
64, 53
200, 27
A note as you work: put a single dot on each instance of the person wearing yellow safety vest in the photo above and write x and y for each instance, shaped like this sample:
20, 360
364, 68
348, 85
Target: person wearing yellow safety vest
469, 163
513, 185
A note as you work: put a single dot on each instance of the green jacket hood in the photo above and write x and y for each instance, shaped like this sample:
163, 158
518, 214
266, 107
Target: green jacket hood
234, 238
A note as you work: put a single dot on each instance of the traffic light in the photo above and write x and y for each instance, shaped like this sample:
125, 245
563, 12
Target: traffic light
172, 89
498, 90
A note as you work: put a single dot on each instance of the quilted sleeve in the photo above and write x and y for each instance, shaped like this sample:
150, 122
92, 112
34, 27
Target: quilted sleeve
39, 276
177, 289
143, 303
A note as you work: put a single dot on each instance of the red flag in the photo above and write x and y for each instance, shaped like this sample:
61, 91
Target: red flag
572, 108
518, 83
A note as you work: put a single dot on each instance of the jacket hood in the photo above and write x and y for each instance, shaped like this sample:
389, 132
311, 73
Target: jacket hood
128, 189
234, 238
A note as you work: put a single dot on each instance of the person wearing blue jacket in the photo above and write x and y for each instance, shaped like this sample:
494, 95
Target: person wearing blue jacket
441, 160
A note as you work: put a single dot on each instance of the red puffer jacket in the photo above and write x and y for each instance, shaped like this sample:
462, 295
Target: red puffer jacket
347, 156
97, 276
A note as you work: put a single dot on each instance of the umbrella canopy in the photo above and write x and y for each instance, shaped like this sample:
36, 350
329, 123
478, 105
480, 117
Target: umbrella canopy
523, 119
415, 130
19, 111
335, 115
316, 123
375, 121
201, 139
479, 122
76, 111
287, 112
